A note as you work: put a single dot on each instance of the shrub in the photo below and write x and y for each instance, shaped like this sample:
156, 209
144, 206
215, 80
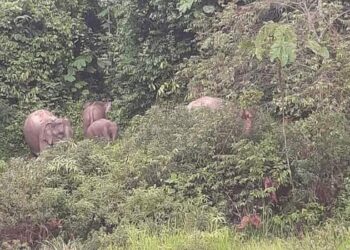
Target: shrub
178, 169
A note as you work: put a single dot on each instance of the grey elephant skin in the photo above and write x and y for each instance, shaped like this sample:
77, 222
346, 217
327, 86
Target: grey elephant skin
212, 103
94, 111
43, 129
103, 128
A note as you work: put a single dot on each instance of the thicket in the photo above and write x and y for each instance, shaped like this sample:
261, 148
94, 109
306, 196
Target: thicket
172, 169
180, 170
58, 54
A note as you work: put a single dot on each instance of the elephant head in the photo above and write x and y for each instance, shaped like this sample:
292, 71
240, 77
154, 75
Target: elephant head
56, 130
103, 128
53, 131
94, 111
42, 129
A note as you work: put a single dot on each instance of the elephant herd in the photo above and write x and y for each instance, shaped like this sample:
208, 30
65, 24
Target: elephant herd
42, 129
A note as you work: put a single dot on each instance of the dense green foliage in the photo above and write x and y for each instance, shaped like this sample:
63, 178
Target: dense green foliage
87, 50
182, 170
171, 169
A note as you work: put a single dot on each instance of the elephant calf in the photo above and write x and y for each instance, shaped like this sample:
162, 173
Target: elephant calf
213, 103
94, 111
42, 129
103, 128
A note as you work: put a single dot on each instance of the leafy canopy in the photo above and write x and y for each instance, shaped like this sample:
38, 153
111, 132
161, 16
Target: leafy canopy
279, 41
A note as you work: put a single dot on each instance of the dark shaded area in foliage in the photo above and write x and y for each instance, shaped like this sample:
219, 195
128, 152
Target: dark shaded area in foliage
30, 233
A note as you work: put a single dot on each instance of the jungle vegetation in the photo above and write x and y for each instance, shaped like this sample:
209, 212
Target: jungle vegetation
173, 178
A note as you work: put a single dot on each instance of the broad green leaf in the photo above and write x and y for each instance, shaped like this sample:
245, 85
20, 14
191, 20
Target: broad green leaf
325, 52
69, 78
318, 49
80, 84
85, 92
185, 5
279, 41
208, 9
81, 61
103, 13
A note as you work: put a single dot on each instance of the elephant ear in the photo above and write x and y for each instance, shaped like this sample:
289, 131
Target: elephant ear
58, 126
46, 133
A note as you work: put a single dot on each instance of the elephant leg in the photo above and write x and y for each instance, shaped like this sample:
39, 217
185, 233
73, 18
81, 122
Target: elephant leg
43, 145
33, 154
105, 133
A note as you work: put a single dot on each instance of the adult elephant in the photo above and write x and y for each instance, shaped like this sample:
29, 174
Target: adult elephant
43, 129
212, 103
94, 111
103, 128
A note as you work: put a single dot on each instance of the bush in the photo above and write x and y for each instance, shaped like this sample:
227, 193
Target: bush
178, 169
318, 149
92, 186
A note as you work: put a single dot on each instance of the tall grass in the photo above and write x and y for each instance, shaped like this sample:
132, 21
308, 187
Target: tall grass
328, 237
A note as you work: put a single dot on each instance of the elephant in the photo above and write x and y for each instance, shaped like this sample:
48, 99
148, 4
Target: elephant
43, 129
213, 103
103, 128
94, 111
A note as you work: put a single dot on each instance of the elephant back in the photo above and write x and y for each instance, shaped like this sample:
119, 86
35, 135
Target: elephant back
37, 119
103, 128
212, 103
